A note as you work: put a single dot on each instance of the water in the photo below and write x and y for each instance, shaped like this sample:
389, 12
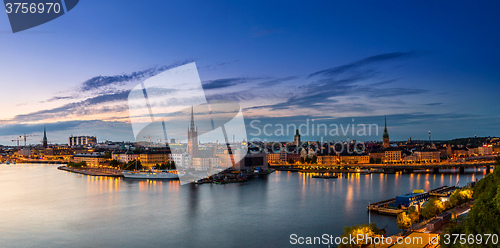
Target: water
41, 206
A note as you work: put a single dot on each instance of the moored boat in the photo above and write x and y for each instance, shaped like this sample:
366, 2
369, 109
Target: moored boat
153, 175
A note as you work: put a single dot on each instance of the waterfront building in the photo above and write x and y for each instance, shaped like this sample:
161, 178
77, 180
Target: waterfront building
385, 136
92, 159
273, 158
205, 164
150, 159
485, 150
181, 159
124, 157
409, 157
82, 140
55, 152
327, 159
295, 157
377, 156
392, 155
354, 159
427, 156
192, 147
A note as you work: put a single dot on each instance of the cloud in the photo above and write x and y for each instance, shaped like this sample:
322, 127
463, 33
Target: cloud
277, 81
58, 98
223, 83
319, 89
82, 107
100, 82
334, 71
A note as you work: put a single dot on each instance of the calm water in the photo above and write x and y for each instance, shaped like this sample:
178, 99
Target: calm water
41, 206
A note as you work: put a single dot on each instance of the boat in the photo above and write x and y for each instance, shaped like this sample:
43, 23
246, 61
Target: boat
326, 176
153, 175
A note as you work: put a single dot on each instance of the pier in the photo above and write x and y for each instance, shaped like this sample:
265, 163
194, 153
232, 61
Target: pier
382, 207
443, 191
89, 171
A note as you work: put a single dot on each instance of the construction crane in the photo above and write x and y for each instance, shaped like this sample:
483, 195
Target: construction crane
25, 137
17, 139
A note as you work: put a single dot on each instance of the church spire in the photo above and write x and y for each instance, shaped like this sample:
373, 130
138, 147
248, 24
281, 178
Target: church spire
192, 118
385, 129
385, 136
44, 141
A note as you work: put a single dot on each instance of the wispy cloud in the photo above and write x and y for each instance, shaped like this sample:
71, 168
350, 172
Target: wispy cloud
376, 59
224, 82
86, 106
102, 82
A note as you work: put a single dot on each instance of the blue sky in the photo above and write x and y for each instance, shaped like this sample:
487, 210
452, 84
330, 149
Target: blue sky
427, 66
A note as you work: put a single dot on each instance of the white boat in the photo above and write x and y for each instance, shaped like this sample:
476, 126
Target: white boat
154, 175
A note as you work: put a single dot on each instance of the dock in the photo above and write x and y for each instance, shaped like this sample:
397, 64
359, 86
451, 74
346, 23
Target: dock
382, 207
443, 191
89, 171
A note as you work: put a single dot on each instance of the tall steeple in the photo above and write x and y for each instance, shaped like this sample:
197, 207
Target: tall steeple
192, 147
385, 119
296, 139
385, 136
192, 119
44, 141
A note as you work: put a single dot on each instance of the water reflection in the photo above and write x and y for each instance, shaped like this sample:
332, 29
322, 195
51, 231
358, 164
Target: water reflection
134, 213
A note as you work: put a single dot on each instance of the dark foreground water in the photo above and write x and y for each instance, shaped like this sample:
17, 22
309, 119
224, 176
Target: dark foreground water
41, 206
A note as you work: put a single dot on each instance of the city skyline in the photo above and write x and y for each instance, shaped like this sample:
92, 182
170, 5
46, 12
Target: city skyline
424, 77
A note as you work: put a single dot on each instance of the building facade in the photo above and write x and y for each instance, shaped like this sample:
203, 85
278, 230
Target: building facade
92, 159
125, 157
150, 159
82, 140
354, 159
392, 155
428, 156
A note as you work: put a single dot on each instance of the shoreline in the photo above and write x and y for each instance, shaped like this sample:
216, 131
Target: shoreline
93, 171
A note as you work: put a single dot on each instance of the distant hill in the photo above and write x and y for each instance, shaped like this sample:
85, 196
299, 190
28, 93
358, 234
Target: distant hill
474, 141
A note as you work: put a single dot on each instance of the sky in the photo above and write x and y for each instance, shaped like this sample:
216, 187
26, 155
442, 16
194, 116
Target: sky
426, 66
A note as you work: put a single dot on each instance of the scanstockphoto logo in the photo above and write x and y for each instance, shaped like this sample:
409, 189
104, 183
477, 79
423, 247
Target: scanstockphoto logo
25, 14
170, 111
